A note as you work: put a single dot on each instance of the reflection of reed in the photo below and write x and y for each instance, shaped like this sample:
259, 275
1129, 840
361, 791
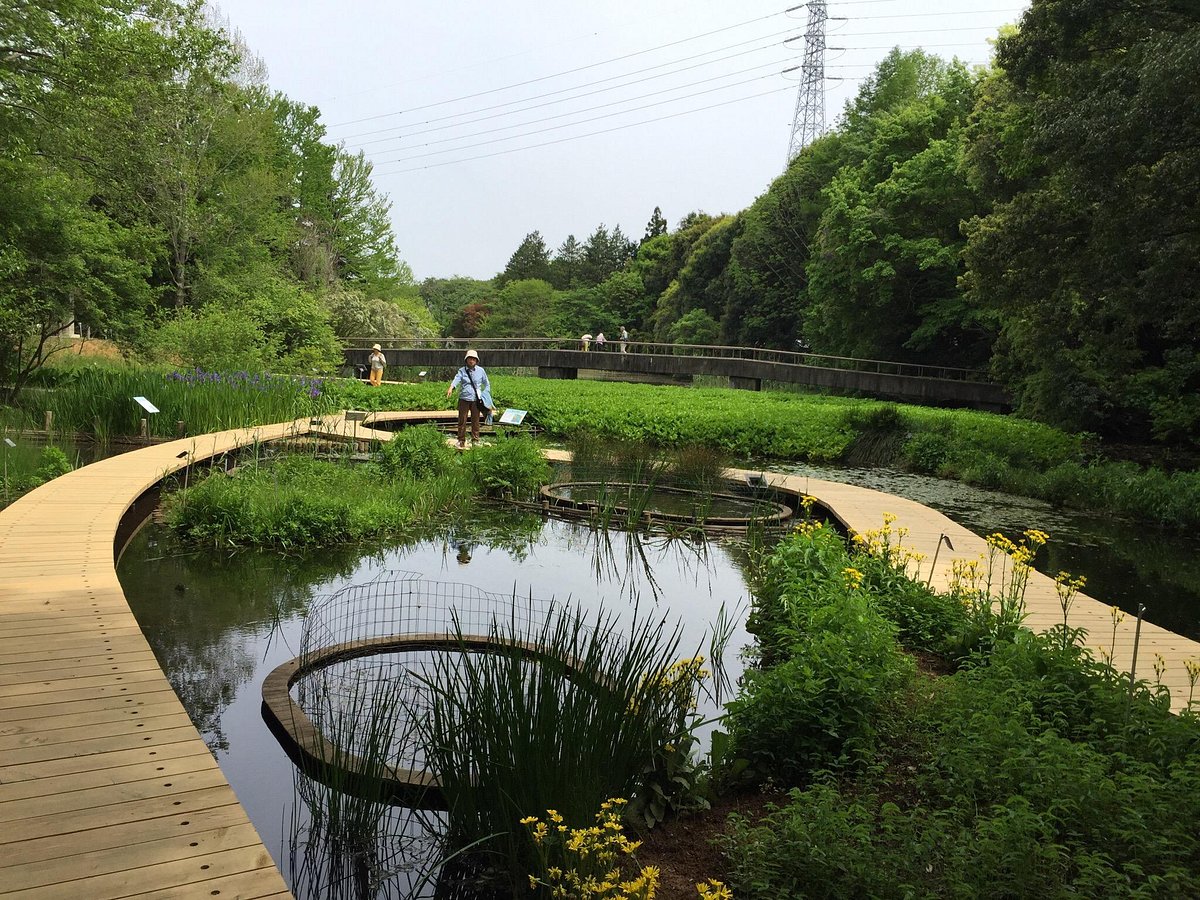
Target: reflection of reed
345, 843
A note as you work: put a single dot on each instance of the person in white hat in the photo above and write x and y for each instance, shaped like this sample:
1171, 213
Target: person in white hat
377, 361
474, 396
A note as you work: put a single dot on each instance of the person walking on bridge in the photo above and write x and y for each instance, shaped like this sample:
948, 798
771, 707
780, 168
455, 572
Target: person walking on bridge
623, 339
474, 397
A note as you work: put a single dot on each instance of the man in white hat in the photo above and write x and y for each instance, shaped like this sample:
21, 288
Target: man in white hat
377, 362
474, 396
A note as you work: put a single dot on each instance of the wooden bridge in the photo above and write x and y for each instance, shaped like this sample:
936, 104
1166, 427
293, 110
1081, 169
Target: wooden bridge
106, 788
744, 367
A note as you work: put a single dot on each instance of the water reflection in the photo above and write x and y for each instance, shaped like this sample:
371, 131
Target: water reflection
220, 623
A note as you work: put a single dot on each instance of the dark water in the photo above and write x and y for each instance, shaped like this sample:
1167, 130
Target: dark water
219, 623
1125, 563
681, 504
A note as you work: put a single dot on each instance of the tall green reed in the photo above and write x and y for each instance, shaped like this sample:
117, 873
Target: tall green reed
511, 734
100, 401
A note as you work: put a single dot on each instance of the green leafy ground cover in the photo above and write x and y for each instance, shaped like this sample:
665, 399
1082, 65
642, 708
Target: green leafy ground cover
999, 452
1028, 771
299, 502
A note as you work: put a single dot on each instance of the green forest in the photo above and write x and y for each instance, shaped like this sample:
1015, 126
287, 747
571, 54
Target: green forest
1038, 218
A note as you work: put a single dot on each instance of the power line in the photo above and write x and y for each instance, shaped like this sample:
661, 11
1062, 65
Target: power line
594, 65
588, 134
539, 79
455, 120
768, 46
621, 112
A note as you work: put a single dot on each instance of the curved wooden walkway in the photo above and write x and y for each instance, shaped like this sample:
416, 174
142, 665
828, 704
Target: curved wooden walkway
862, 510
106, 788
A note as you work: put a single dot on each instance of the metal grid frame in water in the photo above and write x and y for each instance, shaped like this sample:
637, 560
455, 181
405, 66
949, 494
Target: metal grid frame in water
371, 704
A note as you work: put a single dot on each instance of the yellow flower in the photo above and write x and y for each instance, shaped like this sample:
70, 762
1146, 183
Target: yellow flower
713, 890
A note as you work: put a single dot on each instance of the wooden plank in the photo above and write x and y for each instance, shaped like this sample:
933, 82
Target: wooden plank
93, 866
195, 761
84, 668
196, 876
129, 835
97, 694
66, 656
146, 812
109, 795
112, 759
143, 738
60, 686
72, 733
9, 715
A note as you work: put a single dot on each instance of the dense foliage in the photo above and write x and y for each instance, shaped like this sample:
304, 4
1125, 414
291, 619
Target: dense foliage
998, 452
154, 189
301, 501
1029, 770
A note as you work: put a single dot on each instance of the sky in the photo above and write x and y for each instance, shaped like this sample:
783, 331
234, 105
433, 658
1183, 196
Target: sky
486, 122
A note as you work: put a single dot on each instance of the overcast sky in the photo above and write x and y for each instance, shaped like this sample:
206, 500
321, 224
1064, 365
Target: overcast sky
687, 104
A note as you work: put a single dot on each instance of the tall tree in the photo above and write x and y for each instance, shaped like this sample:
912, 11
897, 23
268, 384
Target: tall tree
656, 226
604, 253
522, 308
1091, 256
566, 267
884, 271
529, 260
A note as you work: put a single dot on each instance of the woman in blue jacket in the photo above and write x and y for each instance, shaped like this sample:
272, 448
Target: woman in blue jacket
474, 396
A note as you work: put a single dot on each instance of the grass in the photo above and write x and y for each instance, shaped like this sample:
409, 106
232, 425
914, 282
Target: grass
298, 502
99, 401
24, 467
993, 451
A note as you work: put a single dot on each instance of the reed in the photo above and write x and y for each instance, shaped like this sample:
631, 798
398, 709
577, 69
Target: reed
345, 842
510, 737
100, 402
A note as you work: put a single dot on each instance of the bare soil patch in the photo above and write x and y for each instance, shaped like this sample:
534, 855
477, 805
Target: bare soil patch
686, 850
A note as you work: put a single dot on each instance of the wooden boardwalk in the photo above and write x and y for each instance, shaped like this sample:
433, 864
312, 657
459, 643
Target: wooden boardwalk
106, 788
862, 510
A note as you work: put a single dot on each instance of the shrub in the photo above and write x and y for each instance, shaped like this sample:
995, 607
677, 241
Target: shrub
419, 451
817, 709
927, 452
512, 465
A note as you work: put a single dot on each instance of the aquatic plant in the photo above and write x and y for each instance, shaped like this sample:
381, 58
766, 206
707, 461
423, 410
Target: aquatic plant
297, 501
100, 401
508, 737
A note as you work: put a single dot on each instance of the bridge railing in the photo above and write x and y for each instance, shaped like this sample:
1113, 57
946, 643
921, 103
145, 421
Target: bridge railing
710, 351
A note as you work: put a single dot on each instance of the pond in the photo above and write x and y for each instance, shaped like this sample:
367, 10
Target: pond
219, 623
1125, 563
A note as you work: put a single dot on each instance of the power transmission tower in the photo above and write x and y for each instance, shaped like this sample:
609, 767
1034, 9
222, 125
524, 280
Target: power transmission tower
808, 123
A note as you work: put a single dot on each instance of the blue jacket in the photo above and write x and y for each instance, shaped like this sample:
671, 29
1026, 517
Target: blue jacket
467, 392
